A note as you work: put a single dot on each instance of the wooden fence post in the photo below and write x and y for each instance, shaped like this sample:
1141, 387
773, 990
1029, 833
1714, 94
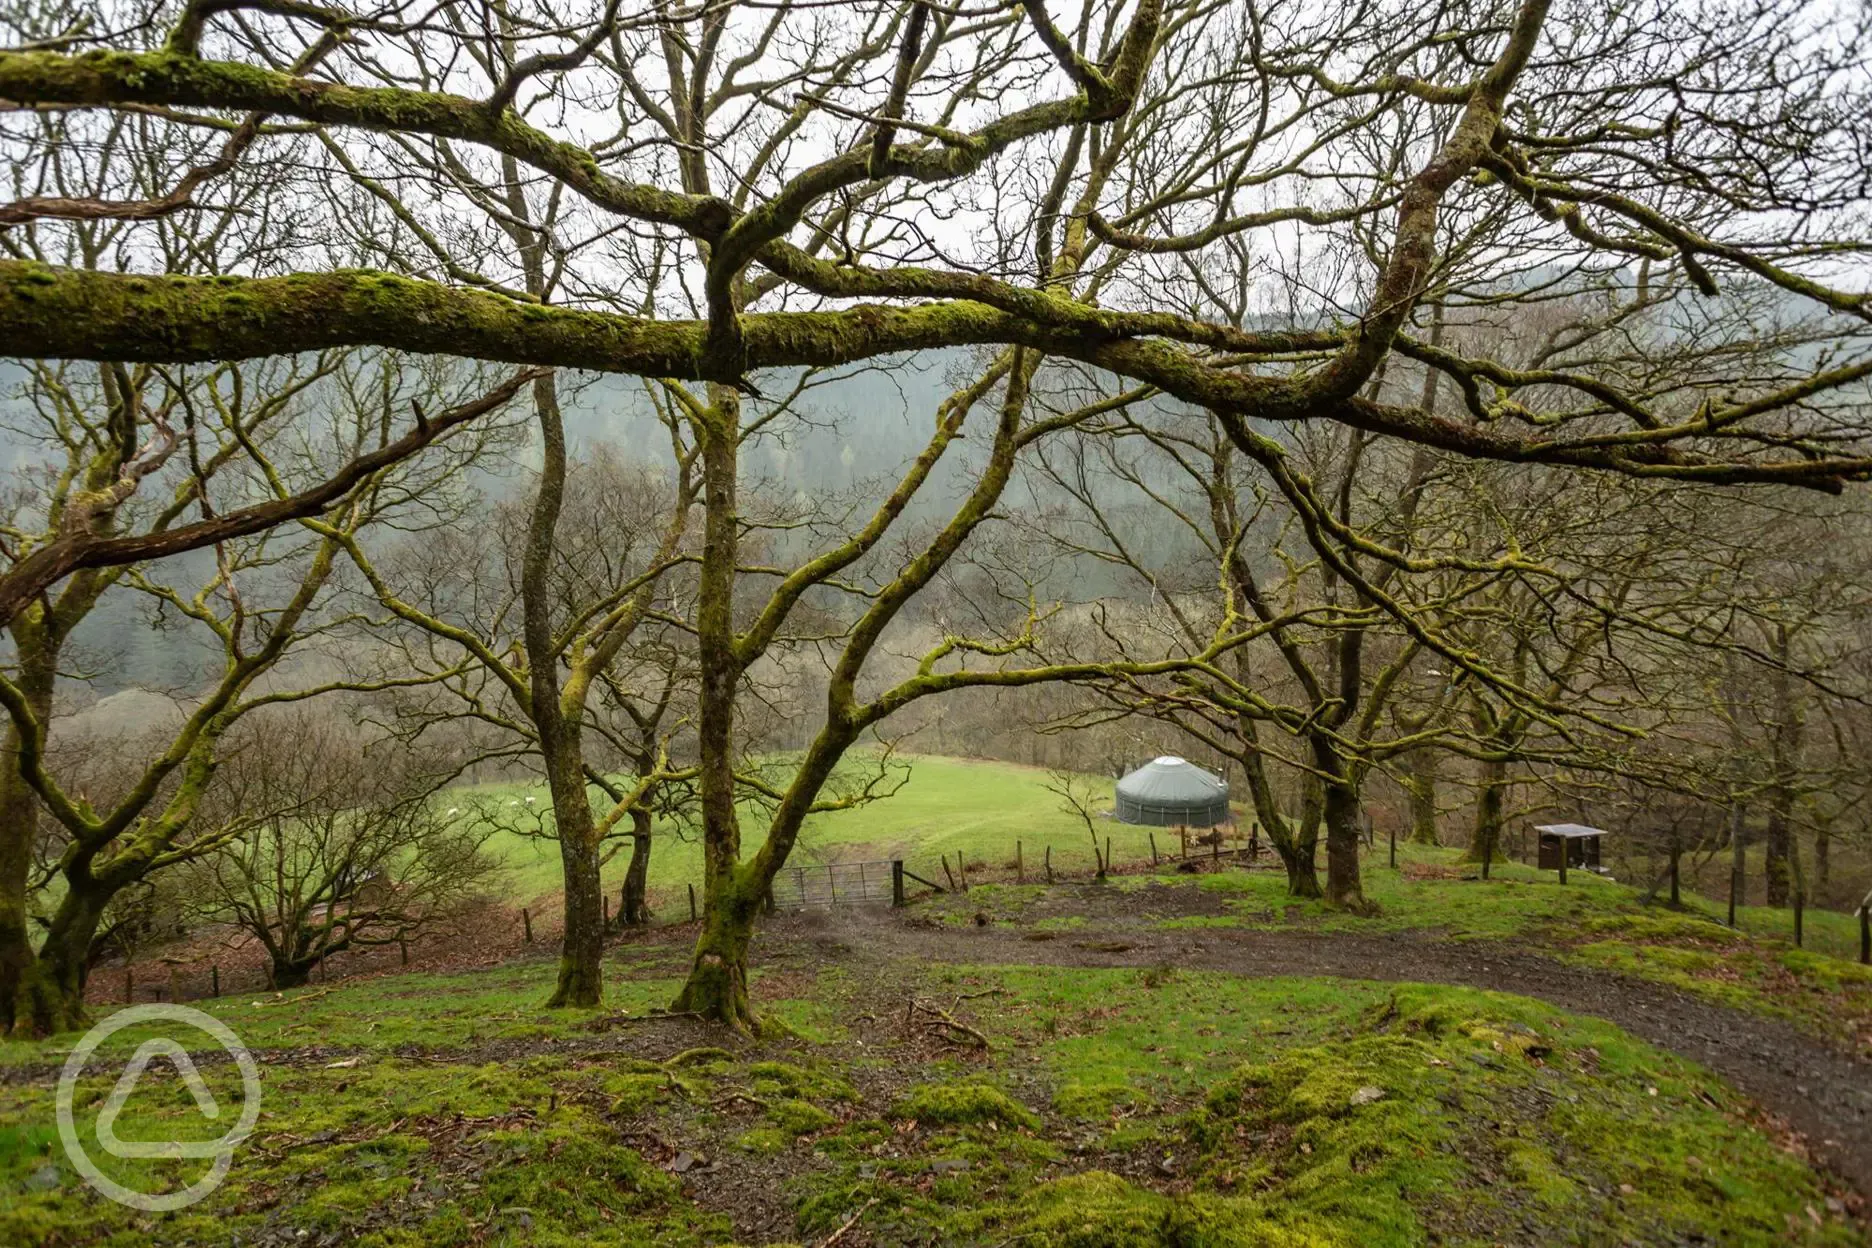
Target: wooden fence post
1865, 934
526, 924
1049, 864
1800, 905
1565, 852
1254, 839
214, 980
692, 909
1394, 849
1676, 897
1732, 896
897, 884
1020, 865
129, 984
403, 948
953, 886
1153, 841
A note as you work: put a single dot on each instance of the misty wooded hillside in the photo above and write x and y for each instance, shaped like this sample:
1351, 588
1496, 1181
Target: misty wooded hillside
904, 622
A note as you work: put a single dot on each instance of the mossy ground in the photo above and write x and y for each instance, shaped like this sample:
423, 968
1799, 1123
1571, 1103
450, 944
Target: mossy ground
1111, 1107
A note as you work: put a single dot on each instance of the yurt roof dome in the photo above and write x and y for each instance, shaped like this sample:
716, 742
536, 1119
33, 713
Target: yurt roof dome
1169, 791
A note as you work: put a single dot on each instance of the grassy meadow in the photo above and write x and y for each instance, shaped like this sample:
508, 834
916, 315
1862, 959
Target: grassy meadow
948, 806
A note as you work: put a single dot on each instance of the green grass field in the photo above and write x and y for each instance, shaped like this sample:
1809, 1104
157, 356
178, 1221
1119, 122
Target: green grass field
948, 806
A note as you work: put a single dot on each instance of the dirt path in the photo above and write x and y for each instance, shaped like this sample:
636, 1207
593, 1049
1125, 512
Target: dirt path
1821, 1092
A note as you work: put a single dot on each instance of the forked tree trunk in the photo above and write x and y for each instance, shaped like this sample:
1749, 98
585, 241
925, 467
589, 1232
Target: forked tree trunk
1339, 812
49, 997
1294, 844
1302, 876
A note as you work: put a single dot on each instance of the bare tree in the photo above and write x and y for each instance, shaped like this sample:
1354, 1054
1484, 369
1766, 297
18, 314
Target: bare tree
331, 844
1078, 797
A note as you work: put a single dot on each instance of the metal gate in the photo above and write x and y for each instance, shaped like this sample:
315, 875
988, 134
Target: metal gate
833, 884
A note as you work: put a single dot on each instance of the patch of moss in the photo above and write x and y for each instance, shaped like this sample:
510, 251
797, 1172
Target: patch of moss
798, 1117
1088, 1099
1830, 973
962, 1104
1100, 1210
765, 1141
634, 1094
786, 1079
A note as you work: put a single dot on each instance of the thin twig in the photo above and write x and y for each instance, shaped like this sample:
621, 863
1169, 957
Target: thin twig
850, 1222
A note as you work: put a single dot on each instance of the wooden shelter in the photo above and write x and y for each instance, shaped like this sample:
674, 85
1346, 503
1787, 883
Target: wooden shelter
1568, 845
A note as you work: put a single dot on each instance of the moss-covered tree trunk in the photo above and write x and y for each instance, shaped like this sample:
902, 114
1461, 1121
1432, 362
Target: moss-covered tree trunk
581, 953
717, 984
1296, 855
1491, 798
581, 957
634, 903
1777, 842
1419, 776
49, 998
1339, 812
1293, 843
26, 996
18, 827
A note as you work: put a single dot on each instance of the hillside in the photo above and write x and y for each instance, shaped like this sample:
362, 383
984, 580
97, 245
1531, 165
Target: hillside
1163, 1058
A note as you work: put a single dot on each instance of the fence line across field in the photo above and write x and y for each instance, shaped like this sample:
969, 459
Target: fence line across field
884, 881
